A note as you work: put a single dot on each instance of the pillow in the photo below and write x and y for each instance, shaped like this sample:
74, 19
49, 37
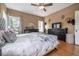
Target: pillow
2, 40
9, 36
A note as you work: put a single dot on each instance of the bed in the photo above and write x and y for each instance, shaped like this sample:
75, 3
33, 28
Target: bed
30, 44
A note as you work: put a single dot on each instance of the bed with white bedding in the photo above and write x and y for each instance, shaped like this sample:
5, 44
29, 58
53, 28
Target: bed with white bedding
30, 44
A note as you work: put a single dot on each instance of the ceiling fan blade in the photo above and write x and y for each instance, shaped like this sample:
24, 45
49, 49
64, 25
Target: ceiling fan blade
34, 4
49, 4
41, 4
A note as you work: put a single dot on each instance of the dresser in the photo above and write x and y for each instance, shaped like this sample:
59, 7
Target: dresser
61, 33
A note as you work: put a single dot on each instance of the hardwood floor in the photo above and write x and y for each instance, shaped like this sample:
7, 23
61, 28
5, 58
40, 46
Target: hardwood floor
65, 49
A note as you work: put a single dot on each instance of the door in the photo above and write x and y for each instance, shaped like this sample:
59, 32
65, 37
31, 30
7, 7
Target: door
77, 27
41, 25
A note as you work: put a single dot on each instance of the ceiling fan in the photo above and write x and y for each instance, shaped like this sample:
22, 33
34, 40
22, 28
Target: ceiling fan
42, 6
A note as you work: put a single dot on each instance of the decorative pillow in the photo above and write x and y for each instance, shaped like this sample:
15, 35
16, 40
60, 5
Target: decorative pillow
9, 36
2, 41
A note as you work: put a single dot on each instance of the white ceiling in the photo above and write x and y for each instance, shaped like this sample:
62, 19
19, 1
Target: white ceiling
28, 8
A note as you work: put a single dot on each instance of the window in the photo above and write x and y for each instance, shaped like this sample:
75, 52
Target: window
14, 24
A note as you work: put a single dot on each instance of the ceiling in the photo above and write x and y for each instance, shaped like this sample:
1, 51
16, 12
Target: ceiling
28, 8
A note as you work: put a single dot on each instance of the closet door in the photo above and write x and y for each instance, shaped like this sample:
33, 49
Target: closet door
77, 27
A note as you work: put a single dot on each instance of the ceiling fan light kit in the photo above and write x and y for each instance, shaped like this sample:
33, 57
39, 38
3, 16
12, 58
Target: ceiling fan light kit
42, 6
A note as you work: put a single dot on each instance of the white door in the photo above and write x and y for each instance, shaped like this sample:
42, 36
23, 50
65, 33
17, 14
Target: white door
77, 27
41, 26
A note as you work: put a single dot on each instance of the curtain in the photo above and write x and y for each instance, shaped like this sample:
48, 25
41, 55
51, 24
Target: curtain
2, 22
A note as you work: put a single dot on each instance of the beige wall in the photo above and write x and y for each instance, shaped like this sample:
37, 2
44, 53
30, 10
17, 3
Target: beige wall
0, 7
68, 12
3, 7
25, 18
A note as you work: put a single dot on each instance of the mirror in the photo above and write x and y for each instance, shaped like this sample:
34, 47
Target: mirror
56, 25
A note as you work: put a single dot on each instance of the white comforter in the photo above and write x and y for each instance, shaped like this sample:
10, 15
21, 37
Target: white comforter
30, 44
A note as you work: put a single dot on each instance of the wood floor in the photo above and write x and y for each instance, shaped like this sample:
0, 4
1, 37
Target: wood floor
65, 49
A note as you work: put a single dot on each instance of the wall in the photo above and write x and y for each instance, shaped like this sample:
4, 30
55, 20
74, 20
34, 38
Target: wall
3, 8
0, 7
68, 12
25, 18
